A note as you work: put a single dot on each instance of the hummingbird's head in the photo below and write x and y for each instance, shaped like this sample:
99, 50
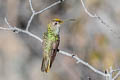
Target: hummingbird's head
55, 25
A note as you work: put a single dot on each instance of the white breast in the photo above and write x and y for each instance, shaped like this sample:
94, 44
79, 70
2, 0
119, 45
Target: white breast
57, 29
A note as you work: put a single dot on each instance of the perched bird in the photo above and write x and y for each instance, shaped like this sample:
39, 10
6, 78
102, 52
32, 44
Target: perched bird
51, 40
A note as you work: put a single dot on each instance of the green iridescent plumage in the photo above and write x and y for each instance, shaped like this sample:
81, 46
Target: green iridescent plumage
50, 45
49, 38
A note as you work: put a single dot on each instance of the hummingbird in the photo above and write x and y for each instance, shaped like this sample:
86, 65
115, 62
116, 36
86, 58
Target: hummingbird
51, 40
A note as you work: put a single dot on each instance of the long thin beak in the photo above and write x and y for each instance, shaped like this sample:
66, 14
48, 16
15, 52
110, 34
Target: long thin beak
69, 20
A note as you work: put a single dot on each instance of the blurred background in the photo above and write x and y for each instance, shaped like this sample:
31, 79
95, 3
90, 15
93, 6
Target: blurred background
93, 42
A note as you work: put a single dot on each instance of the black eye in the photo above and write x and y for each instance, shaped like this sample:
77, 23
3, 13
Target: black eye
55, 23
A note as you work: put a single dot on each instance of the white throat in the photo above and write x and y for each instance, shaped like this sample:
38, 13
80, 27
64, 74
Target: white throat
57, 31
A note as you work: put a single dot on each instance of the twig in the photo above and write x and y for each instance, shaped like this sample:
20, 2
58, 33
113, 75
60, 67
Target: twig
116, 70
83, 62
20, 30
116, 76
7, 22
39, 12
58, 2
29, 22
31, 7
89, 14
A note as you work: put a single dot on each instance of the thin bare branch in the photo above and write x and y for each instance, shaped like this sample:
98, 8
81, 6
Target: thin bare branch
116, 76
89, 14
6, 21
83, 62
39, 12
2, 28
22, 31
29, 22
98, 18
56, 3
31, 7
116, 70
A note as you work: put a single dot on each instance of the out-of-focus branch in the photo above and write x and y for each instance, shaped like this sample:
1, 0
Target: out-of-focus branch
116, 70
98, 18
89, 14
116, 76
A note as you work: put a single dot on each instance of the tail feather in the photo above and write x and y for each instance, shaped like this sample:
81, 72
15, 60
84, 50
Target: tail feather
47, 61
45, 65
